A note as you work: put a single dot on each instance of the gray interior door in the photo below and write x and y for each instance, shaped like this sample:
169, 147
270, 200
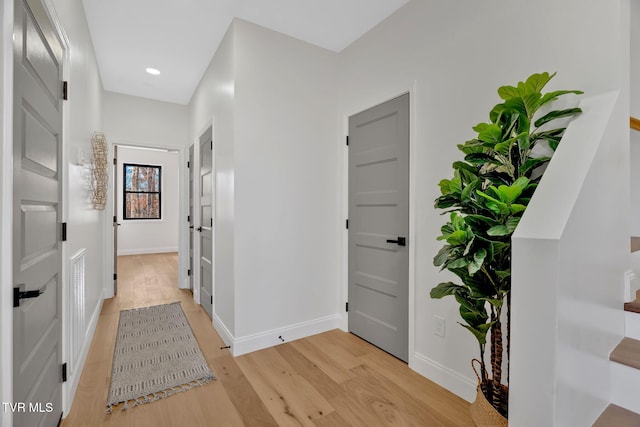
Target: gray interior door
191, 167
206, 226
37, 247
379, 224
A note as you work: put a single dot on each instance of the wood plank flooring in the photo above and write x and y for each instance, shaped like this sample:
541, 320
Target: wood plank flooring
332, 379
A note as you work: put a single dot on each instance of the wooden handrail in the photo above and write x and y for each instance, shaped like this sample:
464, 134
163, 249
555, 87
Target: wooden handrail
635, 123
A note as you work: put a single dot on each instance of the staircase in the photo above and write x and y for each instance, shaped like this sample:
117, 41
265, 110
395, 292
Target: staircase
624, 409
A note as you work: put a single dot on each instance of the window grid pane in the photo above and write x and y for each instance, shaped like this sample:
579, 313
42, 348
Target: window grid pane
141, 195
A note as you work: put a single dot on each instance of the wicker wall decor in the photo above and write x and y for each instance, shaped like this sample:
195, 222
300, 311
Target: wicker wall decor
99, 171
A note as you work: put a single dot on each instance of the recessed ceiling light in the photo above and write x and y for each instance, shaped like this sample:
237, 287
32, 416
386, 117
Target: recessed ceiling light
152, 71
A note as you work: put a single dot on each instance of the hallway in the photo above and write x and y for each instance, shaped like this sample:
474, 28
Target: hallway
330, 379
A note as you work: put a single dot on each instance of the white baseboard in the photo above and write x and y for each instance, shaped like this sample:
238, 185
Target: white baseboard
74, 379
142, 251
443, 376
222, 330
273, 337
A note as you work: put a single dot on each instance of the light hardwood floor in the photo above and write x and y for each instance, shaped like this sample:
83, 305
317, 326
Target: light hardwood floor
332, 379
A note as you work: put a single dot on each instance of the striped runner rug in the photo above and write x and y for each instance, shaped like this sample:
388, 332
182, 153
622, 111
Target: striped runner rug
155, 356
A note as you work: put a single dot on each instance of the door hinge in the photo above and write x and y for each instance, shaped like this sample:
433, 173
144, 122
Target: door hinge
346, 306
115, 276
188, 164
211, 144
115, 161
347, 140
64, 231
211, 299
115, 219
189, 272
212, 222
64, 372
347, 224
188, 218
65, 90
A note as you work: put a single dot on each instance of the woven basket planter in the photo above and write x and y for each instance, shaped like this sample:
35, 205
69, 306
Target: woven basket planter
483, 413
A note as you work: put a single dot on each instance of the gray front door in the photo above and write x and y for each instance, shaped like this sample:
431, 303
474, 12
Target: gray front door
379, 224
191, 167
206, 225
37, 247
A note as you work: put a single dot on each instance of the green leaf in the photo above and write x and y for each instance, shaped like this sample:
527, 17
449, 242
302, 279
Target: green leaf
503, 147
536, 82
509, 194
512, 223
517, 208
494, 302
444, 289
532, 163
479, 158
552, 96
498, 230
478, 259
442, 255
503, 274
531, 102
464, 166
480, 127
552, 115
506, 92
458, 263
479, 332
492, 134
475, 220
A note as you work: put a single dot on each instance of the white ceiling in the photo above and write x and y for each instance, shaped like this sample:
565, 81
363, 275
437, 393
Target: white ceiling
179, 37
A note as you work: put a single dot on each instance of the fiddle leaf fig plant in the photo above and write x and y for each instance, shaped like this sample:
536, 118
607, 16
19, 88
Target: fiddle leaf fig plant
485, 200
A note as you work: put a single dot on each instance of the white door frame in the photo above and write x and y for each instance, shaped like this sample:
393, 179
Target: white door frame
358, 107
183, 242
6, 209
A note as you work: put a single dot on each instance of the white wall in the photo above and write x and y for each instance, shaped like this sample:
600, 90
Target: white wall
635, 112
272, 101
213, 102
286, 169
133, 119
458, 54
150, 236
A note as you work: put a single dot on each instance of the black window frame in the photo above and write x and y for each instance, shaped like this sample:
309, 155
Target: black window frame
125, 191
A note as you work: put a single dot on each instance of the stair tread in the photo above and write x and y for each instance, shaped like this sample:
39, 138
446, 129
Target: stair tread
633, 306
617, 416
627, 353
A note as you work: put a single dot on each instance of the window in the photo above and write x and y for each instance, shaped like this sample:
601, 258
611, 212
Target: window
141, 193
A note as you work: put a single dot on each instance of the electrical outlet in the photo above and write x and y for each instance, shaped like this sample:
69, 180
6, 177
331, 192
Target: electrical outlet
439, 326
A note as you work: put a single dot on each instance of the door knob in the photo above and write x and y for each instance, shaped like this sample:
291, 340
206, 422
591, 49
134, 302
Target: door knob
199, 229
402, 241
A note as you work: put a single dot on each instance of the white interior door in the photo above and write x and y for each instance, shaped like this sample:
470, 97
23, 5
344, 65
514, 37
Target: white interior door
37, 236
379, 225
206, 224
